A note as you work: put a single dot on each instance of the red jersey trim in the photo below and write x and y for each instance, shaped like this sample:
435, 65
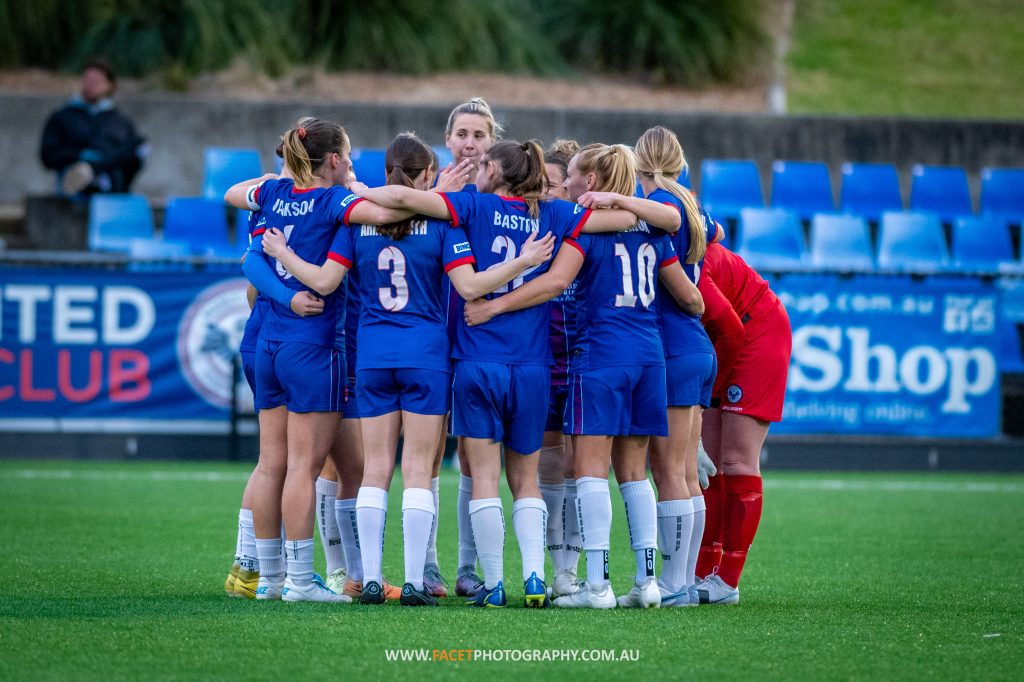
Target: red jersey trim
258, 231
675, 206
580, 224
465, 260
451, 209
348, 210
338, 258
296, 190
576, 245
669, 261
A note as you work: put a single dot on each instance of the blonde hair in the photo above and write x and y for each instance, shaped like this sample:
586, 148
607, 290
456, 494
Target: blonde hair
613, 164
660, 157
306, 145
478, 107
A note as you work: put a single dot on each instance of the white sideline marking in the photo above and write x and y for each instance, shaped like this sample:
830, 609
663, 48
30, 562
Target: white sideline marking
791, 484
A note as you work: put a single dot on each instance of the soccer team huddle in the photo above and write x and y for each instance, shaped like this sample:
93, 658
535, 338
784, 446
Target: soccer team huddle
560, 311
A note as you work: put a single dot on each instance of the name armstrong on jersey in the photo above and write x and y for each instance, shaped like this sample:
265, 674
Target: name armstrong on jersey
418, 227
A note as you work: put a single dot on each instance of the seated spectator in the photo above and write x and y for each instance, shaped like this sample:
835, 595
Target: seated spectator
92, 146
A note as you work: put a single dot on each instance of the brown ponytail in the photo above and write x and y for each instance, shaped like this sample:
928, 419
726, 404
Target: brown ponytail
306, 145
522, 171
406, 157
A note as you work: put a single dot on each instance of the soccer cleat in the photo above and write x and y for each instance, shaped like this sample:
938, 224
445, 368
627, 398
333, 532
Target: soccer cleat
492, 599
337, 581
681, 598
644, 596
433, 582
316, 590
536, 592
372, 593
713, 590
354, 589
229, 583
246, 583
413, 597
588, 598
269, 589
468, 583
565, 582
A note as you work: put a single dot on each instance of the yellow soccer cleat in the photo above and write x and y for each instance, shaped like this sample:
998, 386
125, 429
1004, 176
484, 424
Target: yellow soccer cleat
246, 583
229, 583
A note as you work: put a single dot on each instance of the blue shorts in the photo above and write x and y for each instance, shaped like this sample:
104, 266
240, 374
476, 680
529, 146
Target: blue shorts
249, 368
690, 378
420, 391
352, 409
503, 403
304, 377
556, 408
629, 400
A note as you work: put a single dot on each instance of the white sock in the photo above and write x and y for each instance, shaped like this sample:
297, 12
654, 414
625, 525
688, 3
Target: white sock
594, 515
699, 514
435, 487
572, 543
247, 557
554, 496
675, 528
327, 524
529, 517
417, 518
299, 555
271, 559
489, 526
467, 546
642, 517
345, 513
371, 515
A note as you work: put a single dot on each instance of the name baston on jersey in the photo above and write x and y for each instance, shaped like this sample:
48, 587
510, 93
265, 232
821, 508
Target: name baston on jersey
681, 332
309, 219
497, 228
616, 318
401, 300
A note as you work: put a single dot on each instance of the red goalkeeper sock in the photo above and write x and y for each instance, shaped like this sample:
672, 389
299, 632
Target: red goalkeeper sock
742, 514
711, 543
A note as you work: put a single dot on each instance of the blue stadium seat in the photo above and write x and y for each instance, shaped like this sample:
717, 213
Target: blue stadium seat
912, 242
158, 248
870, 189
225, 166
1011, 354
444, 156
983, 244
200, 223
841, 242
1002, 193
771, 239
116, 219
803, 187
727, 187
369, 166
942, 190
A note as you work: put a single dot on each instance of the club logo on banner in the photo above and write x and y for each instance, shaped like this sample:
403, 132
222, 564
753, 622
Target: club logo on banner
895, 356
208, 339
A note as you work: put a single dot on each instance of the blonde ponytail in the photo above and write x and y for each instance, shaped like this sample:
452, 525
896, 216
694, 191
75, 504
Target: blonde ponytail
660, 158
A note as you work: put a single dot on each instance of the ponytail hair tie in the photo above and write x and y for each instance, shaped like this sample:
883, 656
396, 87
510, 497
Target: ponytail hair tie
302, 133
525, 146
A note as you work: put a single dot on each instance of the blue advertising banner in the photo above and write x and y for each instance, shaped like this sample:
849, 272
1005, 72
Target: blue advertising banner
120, 350
891, 356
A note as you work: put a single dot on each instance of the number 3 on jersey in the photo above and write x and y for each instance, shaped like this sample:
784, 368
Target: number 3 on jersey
395, 296
645, 260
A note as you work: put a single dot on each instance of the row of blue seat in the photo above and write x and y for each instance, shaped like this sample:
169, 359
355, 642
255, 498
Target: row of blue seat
773, 239
868, 189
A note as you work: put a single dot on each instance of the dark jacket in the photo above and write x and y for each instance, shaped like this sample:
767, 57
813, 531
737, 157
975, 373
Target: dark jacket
98, 134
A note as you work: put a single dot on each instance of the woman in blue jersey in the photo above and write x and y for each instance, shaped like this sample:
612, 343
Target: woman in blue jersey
299, 373
617, 395
502, 371
555, 472
690, 367
402, 364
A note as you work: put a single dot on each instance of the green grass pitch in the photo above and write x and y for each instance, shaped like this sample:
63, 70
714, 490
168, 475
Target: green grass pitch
115, 571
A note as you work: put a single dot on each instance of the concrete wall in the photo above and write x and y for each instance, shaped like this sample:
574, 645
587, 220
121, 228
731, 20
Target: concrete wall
180, 127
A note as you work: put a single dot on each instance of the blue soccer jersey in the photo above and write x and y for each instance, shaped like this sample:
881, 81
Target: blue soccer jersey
616, 320
309, 220
401, 312
260, 306
682, 333
497, 228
